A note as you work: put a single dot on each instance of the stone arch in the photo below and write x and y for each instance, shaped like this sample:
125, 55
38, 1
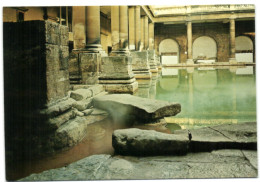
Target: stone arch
244, 43
169, 51
204, 47
244, 49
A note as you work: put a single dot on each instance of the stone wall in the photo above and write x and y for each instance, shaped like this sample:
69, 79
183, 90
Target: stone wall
218, 31
36, 78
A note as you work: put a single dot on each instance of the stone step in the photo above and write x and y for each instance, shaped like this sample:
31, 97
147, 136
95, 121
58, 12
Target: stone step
128, 107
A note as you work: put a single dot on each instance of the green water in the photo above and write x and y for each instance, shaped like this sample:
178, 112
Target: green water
208, 96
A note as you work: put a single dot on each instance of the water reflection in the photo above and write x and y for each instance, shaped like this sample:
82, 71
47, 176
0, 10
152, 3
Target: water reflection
210, 96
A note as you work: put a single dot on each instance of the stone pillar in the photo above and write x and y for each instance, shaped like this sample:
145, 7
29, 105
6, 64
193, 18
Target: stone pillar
137, 28
123, 28
232, 47
116, 70
115, 27
78, 27
93, 40
142, 33
132, 28
87, 60
189, 38
146, 33
151, 36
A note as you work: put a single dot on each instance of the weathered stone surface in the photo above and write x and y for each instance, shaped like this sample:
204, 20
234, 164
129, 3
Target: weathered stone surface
78, 113
148, 142
116, 68
87, 112
70, 132
99, 112
81, 94
217, 164
89, 67
121, 87
96, 89
140, 65
83, 104
241, 136
58, 108
56, 122
125, 106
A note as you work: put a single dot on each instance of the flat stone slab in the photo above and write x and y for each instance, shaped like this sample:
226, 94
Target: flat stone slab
235, 136
148, 142
129, 107
135, 141
215, 164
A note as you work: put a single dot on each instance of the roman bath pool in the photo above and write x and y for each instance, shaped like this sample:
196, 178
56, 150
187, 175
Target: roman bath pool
208, 96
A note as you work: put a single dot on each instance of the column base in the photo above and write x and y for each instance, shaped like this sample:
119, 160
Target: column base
142, 74
121, 88
117, 75
189, 61
120, 52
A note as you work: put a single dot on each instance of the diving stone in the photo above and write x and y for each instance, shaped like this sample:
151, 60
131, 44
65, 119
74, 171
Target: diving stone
129, 107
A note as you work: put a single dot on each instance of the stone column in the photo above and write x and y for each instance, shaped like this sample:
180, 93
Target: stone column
142, 34
146, 33
232, 47
137, 28
189, 38
93, 42
132, 28
78, 27
123, 28
116, 70
115, 27
151, 36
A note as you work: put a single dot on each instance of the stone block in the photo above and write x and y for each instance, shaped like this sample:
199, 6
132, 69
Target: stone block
96, 89
81, 94
134, 141
58, 108
121, 88
83, 104
140, 61
70, 133
64, 35
87, 112
143, 110
64, 57
116, 68
151, 54
89, 67
56, 122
